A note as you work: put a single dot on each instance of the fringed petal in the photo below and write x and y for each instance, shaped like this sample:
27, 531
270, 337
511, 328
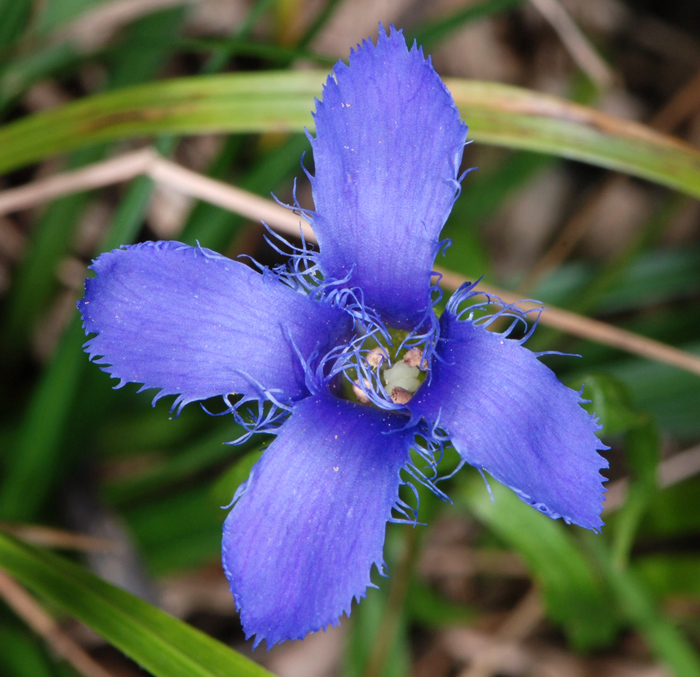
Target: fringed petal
196, 324
508, 414
387, 152
301, 540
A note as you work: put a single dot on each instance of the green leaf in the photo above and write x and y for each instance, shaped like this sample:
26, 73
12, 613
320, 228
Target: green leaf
245, 102
161, 644
642, 455
52, 238
673, 512
519, 118
366, 625
654, 277
610, 400
131, 63
35, 278
427, 607
281, 101
26, 69
179, 531
36, 462
55, 13
206, 451
489, 191
222, 492
670, 573
27, 656
15, 16
671, 395
214, 227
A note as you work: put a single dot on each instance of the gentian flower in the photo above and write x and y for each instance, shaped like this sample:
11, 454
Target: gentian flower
342, 357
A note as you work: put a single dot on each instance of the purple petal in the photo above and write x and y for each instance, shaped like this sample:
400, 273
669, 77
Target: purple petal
301, 540
507, 413
388, 146
196, 324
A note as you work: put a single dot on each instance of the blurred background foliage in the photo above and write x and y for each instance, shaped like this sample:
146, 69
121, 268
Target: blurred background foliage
110, 510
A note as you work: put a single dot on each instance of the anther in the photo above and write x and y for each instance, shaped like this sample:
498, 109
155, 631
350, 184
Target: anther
414, 358
400, 395
376, 356
359, 393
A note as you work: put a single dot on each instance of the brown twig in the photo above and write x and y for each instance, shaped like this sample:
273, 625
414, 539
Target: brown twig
58, 538
229, 197
679, 467
24, 605
98, 175
252, 206
147, 162
593, 330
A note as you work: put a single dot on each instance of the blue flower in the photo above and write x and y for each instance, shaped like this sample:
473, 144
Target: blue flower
345, 357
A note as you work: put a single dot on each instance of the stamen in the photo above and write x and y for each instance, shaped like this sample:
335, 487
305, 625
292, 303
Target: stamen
414, 358
400, 395
359, 393
380, 374
376, 356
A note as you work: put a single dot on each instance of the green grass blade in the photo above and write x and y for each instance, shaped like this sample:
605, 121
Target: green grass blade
206, 452
26, 656
669, 574
179, 530
15, 15
36, 461
26, 69
281, 101
216, 228
319, 22
163, 645
612, 401
634, 602
519, 118
574, 597
33, 463
56, 13
245, 102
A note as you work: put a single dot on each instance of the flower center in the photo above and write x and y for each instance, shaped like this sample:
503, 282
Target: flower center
389, 374
402, 381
